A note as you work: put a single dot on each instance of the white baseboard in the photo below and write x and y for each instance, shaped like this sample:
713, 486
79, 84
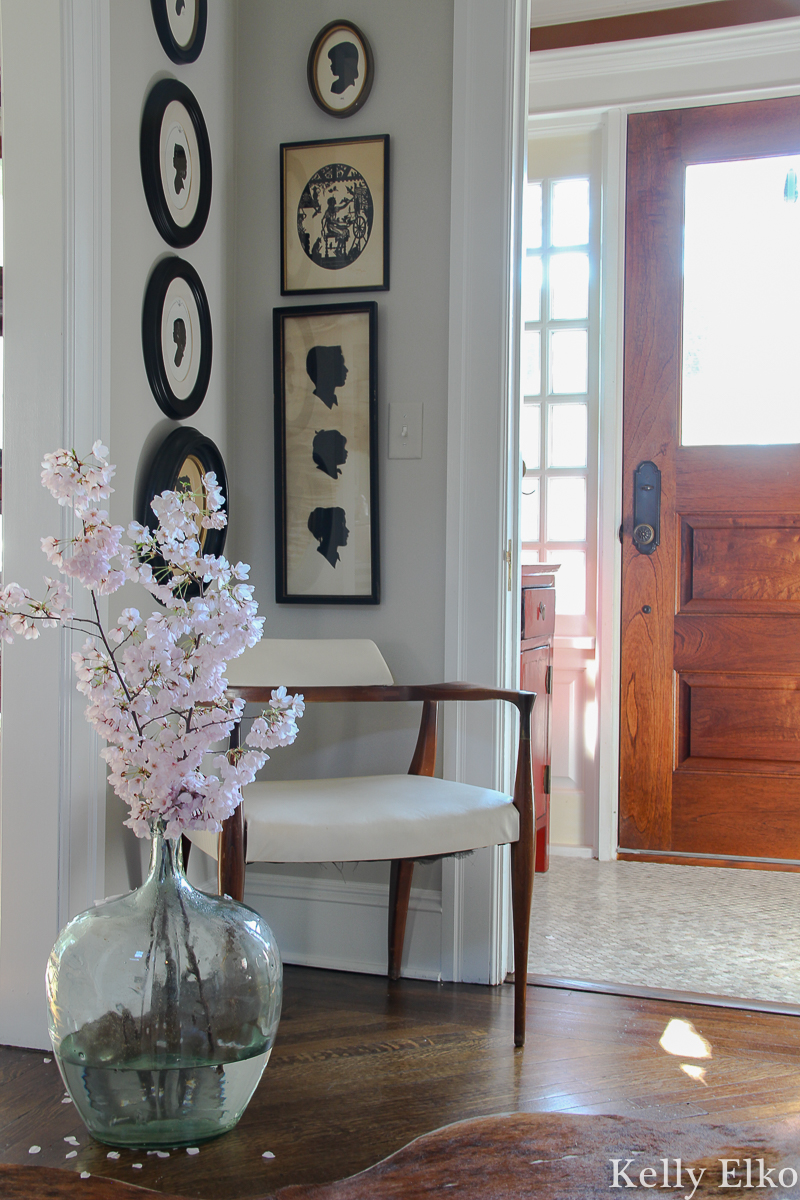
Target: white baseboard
342, 925
571, 851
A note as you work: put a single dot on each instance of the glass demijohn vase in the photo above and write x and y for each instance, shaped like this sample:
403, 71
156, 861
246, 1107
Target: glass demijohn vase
163, 1009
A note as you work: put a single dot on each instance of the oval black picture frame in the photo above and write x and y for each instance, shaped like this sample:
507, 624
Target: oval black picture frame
163, 475
312, 73
178, 53
158, 374
160, 97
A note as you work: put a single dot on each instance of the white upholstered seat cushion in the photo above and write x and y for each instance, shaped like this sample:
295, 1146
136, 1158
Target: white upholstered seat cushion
369, 817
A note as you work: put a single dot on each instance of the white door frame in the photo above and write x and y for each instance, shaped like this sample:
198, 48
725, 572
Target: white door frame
56, 156
608, 82
490, 58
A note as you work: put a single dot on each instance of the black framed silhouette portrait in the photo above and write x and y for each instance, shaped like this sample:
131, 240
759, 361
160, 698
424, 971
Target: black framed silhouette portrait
340, 69
181, 27
176, 337
326, 463
335, 215
175, 158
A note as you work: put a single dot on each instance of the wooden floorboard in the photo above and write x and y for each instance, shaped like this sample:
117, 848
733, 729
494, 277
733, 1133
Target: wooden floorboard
361, 1067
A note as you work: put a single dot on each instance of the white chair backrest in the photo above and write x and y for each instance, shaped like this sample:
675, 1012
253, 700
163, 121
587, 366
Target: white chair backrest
317, 662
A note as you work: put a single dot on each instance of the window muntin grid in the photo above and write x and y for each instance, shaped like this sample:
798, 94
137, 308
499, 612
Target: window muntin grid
559, 390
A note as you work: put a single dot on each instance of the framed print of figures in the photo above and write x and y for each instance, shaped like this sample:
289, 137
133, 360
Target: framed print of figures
326, 454
340, 69
175, 157
176, 338
335, 216
181, 27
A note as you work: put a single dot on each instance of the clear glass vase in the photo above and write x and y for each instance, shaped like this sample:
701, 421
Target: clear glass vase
163, 1008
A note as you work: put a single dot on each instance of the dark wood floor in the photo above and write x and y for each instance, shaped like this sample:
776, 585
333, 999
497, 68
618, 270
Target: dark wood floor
361, 1067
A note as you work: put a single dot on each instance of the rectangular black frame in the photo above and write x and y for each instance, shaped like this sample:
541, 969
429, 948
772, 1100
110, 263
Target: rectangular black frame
369, 272
326, 454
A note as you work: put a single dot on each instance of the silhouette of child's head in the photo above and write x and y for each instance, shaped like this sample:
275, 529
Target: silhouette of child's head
328, 526
325, 365
344, 65
329, 450
179, 338
181, 167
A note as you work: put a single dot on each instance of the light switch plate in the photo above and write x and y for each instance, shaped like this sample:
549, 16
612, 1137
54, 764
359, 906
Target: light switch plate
405, 430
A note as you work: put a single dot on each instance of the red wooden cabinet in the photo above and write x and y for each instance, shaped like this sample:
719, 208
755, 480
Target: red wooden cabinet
536, 675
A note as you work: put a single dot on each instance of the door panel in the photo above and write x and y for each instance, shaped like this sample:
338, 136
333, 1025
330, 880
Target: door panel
710, 700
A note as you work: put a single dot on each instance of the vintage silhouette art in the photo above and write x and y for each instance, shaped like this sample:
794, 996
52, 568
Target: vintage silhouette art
175, 159
181, 165
181, 27
344, 65
325, 365
179, 338
326, 454
340, 69
329, 527
176, 337
334, 216
329, 450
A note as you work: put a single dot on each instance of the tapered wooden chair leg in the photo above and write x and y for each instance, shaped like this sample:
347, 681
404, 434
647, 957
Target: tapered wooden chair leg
231, 860
521, 894
399, 893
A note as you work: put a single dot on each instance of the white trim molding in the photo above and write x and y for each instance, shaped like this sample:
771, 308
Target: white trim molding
560, 12
685, 67
488, 162
343, 925
52, 807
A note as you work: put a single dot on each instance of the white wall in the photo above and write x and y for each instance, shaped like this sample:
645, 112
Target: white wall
411, 101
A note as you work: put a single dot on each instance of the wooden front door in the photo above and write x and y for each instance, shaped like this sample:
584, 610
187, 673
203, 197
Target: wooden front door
710, 672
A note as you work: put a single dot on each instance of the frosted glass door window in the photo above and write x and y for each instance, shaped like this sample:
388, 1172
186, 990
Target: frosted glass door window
568, 430
569, 287
532, 288
531, 362
530, 437
569, 361
570, 212
566, 508
741, 303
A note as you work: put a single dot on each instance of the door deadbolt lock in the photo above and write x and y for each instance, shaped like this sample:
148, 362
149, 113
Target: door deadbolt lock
646, 507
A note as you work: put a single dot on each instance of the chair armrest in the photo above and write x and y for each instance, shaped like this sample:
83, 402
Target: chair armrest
430, 694
394, 692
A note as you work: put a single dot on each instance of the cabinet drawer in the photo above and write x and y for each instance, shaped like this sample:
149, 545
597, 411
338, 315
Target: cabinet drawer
538, 612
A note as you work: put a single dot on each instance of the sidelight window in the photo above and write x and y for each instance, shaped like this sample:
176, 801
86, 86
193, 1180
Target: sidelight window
559, 387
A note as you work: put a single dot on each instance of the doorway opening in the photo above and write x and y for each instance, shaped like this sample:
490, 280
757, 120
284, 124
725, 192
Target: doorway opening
726, 729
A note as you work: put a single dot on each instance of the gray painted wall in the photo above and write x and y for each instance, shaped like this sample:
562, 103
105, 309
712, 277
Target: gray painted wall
138, 425
411, 101
250, 81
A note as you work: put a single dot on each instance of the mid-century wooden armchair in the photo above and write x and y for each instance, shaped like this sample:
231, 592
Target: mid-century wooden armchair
396, 817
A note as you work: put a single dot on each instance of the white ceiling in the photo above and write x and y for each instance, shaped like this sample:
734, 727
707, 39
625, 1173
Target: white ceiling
556, 12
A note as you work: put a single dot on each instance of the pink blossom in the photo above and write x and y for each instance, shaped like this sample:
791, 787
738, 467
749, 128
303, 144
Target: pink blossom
156, 690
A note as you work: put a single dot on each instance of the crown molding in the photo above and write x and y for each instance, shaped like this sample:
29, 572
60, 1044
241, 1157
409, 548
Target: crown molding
675, 50
560, 12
